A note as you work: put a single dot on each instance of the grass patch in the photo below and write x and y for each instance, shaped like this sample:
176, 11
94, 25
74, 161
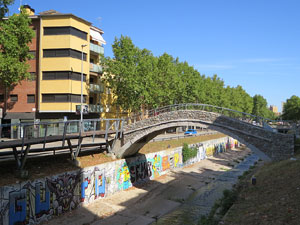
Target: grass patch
224, 169
188, 153
273, 200
163, 145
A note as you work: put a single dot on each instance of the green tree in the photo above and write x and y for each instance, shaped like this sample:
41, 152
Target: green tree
129, 74
4, 7
138, 78
260, 107
14, 51
291, 109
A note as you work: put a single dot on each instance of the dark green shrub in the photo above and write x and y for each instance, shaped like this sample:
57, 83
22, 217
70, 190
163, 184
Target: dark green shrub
188, 153
297, 145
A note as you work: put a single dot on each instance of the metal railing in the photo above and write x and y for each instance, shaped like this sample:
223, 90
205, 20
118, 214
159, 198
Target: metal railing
22, 131
97, 88
96, 48
95, 68
242, 116
95, 108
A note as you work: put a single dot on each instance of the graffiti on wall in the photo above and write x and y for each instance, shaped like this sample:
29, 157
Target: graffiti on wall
156, 163
37, 201
174, 160
92, 184
63, 192
123, 177
134, 172
140, 171
34, 202
165, 163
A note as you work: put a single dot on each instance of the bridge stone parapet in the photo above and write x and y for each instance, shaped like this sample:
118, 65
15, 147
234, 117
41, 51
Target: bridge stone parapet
270, 145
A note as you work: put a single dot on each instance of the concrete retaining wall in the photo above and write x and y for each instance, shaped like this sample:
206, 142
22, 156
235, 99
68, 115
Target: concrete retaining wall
32, 202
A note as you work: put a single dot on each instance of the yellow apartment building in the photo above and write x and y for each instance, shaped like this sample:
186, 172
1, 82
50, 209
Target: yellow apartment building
67, 49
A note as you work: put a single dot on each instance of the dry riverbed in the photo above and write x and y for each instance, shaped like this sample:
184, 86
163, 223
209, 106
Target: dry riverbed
146, 203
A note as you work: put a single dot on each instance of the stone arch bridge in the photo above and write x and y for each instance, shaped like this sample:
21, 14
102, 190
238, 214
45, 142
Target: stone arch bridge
262, 140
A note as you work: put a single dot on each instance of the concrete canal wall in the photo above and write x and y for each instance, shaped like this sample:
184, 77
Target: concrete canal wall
32, 202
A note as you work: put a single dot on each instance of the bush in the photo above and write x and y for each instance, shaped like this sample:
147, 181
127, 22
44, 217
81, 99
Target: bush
188, 153
297, 145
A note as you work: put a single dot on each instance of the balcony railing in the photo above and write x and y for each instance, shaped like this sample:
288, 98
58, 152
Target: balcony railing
95, 108
97, 88
95, 68
96, 48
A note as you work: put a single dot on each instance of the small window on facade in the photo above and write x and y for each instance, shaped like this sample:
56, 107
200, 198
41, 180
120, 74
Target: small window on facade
62, 52
49, 53
48, 98
30, 98
13, 98
61, 98
32, 76
49, 75
65, 30
62, 75
32, 53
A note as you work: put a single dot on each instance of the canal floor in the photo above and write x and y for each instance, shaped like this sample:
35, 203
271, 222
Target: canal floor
180, 197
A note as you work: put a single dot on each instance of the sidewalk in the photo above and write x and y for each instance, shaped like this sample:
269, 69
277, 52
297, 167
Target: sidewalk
153, 200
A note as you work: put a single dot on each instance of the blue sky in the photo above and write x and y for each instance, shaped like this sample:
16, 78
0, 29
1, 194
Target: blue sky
252, 43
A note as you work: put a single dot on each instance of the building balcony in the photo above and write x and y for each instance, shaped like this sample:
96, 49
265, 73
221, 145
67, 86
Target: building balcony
95, 108
96, 88
95, 68
97, 49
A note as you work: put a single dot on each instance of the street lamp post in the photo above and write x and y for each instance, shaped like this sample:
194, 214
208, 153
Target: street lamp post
81, 96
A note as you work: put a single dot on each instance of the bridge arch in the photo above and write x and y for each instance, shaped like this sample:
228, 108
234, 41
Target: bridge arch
267, 144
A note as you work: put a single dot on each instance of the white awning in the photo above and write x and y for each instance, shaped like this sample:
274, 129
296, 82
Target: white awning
96, 36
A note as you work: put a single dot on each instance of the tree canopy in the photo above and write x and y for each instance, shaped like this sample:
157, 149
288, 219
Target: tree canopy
260, 107
291, 109
138, 78
14, 51
4, 7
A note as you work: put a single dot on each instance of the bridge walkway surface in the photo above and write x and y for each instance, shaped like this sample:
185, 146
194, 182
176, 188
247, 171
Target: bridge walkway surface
166, 199
19, 149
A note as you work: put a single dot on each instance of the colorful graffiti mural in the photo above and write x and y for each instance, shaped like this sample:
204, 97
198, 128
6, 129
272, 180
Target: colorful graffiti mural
139, 171
37, 201
123, 177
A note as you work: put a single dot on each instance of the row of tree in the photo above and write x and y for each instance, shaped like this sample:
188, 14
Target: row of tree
140, 79
137, 77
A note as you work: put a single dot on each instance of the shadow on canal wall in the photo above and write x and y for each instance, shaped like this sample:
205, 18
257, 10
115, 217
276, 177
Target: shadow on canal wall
32, 202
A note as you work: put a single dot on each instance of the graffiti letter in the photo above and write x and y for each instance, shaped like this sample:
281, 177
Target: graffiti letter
17, 207
165, 163
99, 184
44, 205
86, 180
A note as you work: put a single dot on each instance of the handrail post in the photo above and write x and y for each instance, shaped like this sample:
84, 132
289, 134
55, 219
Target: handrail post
64, 134
45, 135
23, 139
94, 131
